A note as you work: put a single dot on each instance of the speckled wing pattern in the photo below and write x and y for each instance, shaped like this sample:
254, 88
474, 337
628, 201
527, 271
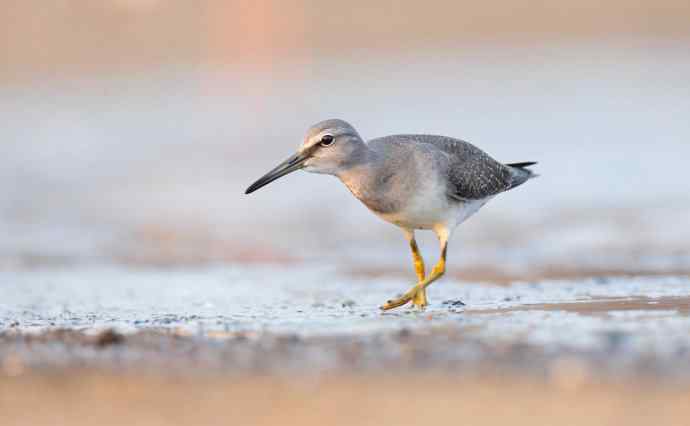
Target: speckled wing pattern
471, 173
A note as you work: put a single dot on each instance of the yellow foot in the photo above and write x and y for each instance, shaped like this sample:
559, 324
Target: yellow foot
416, 295
419, 299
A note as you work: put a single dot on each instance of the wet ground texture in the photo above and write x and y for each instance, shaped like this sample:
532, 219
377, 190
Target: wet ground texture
309, 320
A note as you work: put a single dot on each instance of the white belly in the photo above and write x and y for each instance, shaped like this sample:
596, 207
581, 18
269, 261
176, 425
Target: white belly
430, 210
464, 210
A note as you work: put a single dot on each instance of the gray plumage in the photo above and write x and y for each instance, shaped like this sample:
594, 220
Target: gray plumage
471, 173
413, 181
389, 173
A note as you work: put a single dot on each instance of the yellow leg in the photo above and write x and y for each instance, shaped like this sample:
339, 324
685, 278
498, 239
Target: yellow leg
418, 260
419, 299
417, 294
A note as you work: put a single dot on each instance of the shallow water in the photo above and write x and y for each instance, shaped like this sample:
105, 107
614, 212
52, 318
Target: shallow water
306, 299
640, 320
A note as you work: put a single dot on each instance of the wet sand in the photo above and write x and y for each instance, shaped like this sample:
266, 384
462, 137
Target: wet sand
80, 399
247, 345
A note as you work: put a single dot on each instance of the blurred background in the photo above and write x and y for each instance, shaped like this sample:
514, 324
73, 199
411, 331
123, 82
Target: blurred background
138, 282
130, 129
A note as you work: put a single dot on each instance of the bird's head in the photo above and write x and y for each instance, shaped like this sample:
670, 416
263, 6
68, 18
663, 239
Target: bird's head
329, 147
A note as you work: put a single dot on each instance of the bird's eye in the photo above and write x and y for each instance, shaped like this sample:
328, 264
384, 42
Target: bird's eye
327, 140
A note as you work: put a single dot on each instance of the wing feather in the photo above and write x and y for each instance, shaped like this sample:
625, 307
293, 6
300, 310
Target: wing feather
471, 173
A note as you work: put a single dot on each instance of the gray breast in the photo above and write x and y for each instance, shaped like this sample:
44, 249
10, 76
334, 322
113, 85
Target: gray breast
387, 182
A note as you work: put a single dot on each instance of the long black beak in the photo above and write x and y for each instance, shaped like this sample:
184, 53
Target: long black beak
293, 163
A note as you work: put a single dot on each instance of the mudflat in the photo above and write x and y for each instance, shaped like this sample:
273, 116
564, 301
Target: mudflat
81, 398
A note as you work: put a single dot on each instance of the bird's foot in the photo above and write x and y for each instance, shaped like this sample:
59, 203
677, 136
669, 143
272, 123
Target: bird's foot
416, 295
419, 299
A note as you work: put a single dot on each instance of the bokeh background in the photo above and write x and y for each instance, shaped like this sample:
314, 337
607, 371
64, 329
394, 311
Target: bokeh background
130, 129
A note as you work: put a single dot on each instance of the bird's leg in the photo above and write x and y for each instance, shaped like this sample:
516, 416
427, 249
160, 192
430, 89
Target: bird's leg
419, 298
418, 260
418, 292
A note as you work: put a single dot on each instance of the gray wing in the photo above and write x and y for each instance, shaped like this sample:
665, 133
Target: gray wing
471, 173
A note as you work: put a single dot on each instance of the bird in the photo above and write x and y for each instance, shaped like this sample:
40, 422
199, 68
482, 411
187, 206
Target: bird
414, 181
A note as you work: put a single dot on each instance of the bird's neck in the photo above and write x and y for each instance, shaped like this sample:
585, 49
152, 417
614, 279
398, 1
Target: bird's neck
360, 175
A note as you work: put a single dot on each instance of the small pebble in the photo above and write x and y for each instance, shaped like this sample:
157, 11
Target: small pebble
349, 303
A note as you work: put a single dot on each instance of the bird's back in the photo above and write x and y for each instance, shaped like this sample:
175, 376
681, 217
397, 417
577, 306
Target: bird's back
469, 172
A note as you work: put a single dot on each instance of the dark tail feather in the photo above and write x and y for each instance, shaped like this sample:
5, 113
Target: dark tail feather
521, 173
522, 165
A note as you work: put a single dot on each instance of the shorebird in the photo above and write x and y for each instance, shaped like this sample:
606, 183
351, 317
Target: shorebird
417, 182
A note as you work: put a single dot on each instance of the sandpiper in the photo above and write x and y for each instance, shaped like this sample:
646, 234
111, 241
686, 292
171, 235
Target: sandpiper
412, 181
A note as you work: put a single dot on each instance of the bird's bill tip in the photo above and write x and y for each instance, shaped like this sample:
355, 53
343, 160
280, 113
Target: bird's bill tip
293, 163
